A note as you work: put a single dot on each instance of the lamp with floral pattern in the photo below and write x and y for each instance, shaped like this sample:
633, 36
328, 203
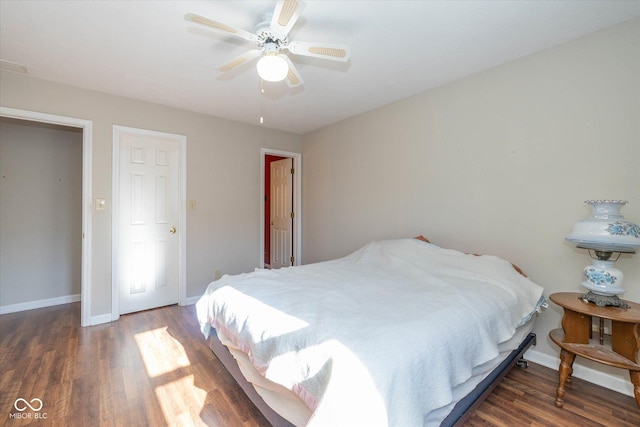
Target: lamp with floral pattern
605, 233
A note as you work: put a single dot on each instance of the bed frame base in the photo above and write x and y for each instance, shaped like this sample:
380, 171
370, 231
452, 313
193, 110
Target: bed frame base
463, 409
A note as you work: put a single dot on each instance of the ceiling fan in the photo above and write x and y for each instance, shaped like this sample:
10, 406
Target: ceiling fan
272, 44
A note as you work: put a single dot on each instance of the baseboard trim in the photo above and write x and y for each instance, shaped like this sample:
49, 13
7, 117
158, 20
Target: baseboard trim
103, 318
584, 373
192, 300
32, 305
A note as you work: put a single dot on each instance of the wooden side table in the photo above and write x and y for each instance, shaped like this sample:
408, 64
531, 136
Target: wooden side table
574, 336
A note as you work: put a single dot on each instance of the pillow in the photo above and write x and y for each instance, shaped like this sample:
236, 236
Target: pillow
424, 239
515, 267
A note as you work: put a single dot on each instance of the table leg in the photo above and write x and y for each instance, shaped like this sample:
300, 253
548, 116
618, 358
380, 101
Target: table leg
564, 372
635, 379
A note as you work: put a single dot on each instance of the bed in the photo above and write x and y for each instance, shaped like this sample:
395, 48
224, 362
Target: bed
398, 333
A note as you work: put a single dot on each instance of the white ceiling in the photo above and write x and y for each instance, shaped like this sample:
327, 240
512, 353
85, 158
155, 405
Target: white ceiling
146, 50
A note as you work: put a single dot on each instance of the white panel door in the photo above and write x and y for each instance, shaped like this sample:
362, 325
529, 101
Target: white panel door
148, 221
281, 220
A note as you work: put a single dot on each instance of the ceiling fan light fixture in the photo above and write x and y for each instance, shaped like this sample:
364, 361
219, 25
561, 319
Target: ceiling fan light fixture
272, 68
271, 38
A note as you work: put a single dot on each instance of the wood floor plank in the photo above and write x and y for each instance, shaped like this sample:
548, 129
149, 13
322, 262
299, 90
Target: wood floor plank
154, 368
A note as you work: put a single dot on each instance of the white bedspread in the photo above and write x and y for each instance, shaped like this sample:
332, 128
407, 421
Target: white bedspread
377, 338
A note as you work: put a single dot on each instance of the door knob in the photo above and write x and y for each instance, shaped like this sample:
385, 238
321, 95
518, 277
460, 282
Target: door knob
172, 230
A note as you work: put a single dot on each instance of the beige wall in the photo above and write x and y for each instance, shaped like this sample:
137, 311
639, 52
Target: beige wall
40, 212
223, 175
497, 163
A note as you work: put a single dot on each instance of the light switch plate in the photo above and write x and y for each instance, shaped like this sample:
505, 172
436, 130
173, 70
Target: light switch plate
101, 204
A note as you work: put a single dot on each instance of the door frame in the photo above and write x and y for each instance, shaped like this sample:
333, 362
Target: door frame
182, 214
297, 202
87, 144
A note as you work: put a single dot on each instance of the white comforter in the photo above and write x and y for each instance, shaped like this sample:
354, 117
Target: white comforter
377, 338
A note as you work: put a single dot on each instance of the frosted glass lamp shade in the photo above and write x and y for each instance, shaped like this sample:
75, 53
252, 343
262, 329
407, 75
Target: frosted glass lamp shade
272, 68
606, 229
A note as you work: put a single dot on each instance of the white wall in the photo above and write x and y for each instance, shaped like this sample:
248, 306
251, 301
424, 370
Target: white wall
40, 212
223, 175
498, 163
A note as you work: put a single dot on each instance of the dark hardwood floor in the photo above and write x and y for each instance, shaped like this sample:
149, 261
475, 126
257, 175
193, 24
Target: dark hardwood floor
154, 368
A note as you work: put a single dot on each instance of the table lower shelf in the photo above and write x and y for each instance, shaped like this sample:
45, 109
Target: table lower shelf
597, 353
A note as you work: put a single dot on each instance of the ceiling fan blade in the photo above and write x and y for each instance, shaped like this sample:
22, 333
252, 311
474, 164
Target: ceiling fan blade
294, 79
335, 52
239, 60
285, 16
221, 28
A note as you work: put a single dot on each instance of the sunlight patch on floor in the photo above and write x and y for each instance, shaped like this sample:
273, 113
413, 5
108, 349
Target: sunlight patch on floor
161, 352
181, 401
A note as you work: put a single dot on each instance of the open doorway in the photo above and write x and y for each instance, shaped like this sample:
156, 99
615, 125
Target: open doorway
269, 163
86, 128
290, 241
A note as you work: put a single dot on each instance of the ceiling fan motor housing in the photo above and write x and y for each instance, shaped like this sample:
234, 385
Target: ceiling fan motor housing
270, 42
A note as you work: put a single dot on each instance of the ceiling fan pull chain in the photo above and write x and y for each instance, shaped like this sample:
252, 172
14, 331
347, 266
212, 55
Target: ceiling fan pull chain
261, 96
